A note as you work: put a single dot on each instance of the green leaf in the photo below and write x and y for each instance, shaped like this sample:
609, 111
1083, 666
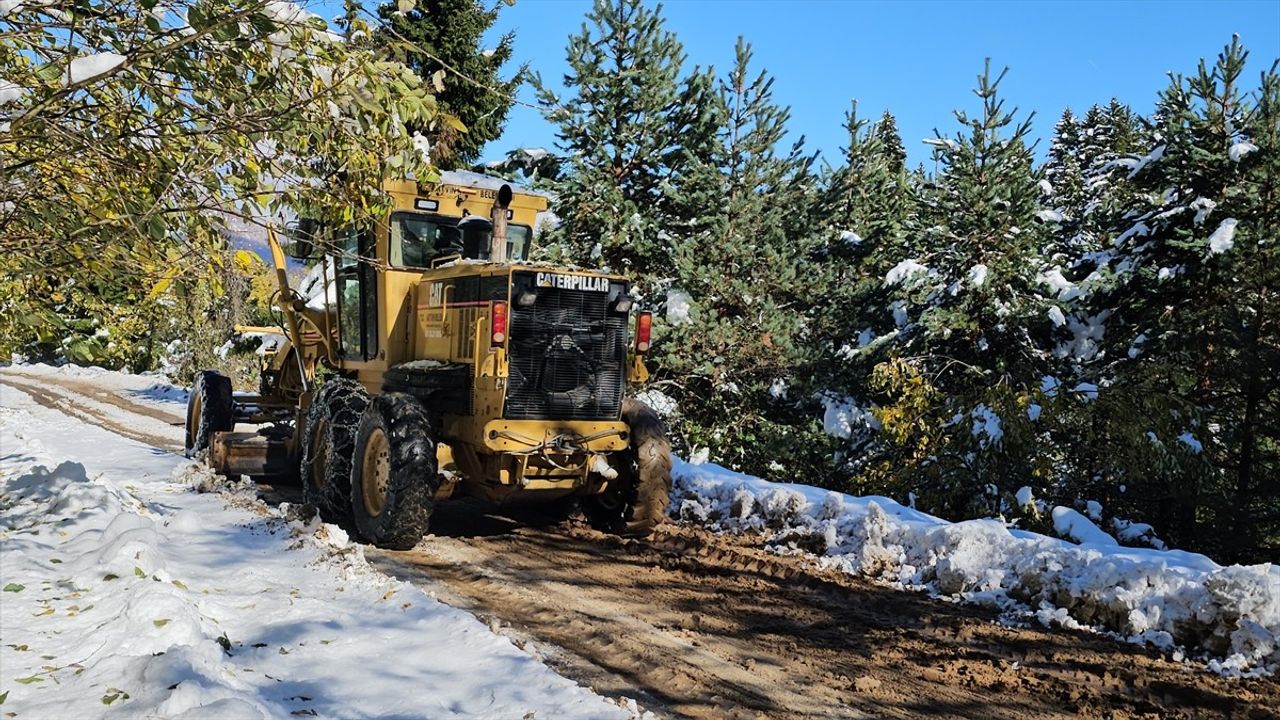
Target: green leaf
138, 571
110, 576
29, 680
14, 587
161, 622
4, 696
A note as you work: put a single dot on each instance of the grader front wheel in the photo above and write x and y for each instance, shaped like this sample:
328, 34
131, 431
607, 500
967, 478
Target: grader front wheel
210, 409
393, 476
636, 502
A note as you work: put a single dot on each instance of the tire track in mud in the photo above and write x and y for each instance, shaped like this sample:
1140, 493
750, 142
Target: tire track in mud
696, 625
63, 399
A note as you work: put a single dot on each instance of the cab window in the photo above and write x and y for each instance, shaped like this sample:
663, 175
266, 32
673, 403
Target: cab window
417, 239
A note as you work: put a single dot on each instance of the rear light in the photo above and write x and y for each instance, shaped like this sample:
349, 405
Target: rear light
499, 323
644, 328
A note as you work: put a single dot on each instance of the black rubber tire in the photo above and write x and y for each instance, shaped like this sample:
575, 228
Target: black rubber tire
636, 502
411, 478
328, 447
210, 409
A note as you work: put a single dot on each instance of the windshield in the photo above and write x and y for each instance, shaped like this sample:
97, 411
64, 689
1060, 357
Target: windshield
417, 239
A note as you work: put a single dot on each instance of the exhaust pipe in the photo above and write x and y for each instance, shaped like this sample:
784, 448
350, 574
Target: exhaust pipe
498, 239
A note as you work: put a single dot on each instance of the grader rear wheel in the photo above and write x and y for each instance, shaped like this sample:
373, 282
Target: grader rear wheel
328, 447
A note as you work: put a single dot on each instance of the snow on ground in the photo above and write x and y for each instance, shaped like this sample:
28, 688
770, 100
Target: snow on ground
1178, 601
126, 594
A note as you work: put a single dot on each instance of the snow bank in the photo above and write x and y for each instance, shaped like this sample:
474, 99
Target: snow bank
1230, 615
126, 594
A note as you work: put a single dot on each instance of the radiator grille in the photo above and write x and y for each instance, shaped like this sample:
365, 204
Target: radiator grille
567, 354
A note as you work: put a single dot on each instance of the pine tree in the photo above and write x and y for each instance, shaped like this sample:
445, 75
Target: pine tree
734, 357
886, 131
1192, 286
868, 214
628, 127
962, 366
442, 41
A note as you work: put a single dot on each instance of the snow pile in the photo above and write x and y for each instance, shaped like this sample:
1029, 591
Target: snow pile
127, 594
1230, 615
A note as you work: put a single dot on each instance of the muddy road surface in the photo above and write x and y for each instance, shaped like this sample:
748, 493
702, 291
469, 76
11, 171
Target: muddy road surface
695, 625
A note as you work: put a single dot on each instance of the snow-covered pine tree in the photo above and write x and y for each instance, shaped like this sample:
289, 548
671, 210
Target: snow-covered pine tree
443, 42
868, 208
628, 125
1195, 329
964, 365
736, 350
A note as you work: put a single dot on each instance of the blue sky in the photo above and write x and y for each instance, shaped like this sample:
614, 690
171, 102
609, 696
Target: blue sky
920, 59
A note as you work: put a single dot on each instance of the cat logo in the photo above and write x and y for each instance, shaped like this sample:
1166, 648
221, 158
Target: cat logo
573, 282
435, 294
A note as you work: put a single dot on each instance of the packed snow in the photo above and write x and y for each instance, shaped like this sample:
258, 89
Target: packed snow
127, 593
1178, 601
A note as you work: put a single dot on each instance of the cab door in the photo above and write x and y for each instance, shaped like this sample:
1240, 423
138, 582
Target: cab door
357, 290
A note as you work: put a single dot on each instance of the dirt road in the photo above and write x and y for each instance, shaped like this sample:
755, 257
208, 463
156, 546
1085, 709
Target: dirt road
695, 625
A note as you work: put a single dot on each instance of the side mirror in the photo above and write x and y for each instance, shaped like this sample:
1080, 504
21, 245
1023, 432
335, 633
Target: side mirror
302, 238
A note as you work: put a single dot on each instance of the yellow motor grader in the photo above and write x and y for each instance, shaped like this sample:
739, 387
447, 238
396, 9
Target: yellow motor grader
436, 359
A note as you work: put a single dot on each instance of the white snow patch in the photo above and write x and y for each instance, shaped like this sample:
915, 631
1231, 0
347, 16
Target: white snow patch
1025, 496
1239, 150
850, 237
1223, 238
977, 275
986, 426
91, 66
903, 271
1202, 206
660, 402
10, 92
678, 307
845, 418
1071, 524
1052, 216
1055, 315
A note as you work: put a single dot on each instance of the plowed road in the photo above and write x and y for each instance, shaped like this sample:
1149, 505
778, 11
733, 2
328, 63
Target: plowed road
695, 625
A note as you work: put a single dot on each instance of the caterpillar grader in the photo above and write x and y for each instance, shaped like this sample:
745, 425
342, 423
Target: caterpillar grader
439, 361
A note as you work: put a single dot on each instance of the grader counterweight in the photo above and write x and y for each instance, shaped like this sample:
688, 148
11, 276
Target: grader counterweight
438, 360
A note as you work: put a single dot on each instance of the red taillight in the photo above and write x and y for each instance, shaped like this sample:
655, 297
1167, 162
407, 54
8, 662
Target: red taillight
499, 323
644, 328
